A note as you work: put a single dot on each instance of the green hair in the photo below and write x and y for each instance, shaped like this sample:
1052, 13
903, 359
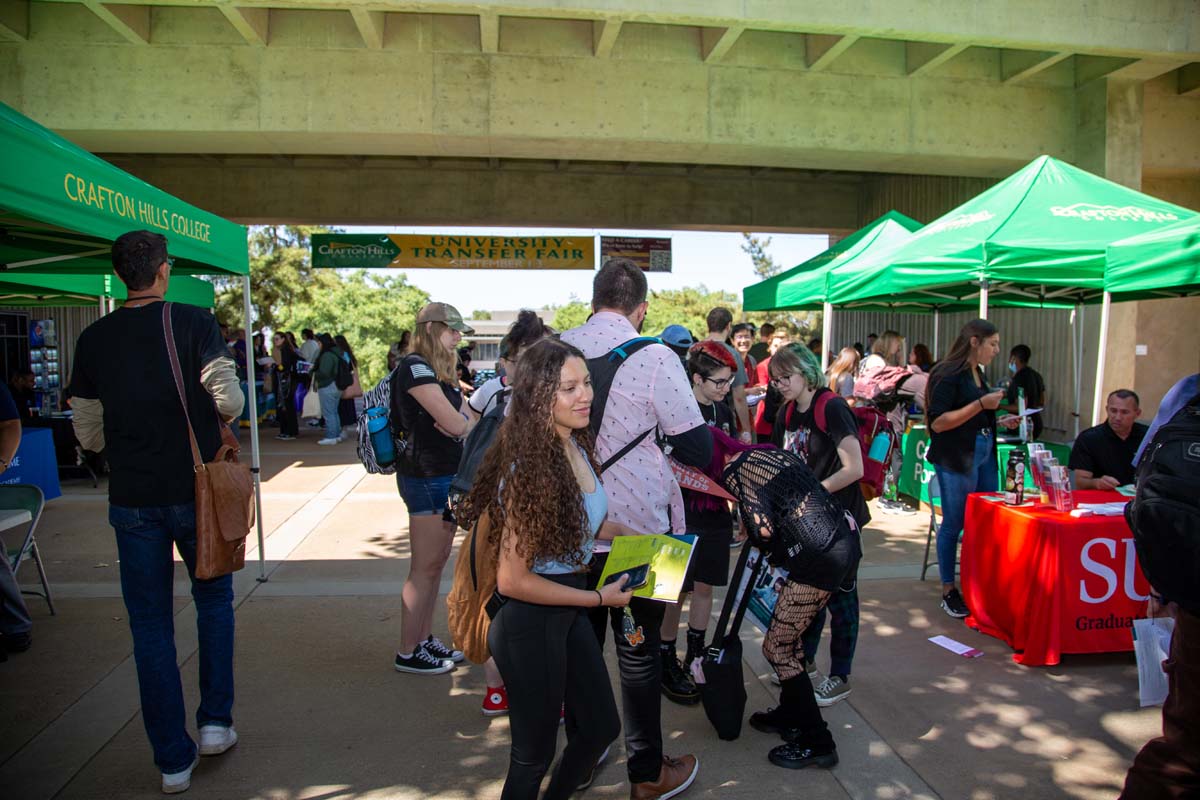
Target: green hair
797, 359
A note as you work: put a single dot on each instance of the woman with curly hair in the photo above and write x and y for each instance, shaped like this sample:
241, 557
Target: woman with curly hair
538, 485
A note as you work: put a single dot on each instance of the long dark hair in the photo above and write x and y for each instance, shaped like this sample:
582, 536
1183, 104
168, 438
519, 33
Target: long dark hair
326, 342
342, 343
527, 329
956, 360
525, 484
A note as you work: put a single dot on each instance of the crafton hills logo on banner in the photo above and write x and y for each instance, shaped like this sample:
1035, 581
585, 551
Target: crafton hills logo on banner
440, 251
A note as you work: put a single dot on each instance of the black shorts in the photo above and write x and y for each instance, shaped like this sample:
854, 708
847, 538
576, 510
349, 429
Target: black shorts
710, 559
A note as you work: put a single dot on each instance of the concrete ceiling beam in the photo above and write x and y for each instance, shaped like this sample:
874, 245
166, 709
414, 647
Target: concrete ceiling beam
370, 26
14, 20
1017, 66
131, 21
821, 50
254, 24
604, 36
489, 33
716, 42
921, 58
1146, 69
1188, 80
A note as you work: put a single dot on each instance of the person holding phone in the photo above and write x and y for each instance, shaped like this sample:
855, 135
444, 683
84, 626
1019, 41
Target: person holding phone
960, 412
540, 488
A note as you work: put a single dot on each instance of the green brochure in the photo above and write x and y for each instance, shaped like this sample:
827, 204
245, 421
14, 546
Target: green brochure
668, 557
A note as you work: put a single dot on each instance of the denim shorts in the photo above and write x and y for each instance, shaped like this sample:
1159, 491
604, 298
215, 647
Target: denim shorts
424, 496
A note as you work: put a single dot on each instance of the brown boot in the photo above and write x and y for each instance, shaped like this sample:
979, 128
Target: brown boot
674, 778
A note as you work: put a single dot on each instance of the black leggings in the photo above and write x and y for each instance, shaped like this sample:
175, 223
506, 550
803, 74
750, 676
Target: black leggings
549, 657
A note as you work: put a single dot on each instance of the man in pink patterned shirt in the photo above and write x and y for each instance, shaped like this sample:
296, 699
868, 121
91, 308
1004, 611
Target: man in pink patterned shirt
650, 391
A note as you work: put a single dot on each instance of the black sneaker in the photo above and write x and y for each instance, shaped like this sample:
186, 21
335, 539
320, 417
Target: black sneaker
437, 649
591, 776
677, 685
422, 662
952, 604
794, 755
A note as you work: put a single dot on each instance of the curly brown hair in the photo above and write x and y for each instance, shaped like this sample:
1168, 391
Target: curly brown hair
525, 484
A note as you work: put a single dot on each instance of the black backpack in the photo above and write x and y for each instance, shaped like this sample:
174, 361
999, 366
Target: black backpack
478, 442
1164, 515
343, 378
603, 370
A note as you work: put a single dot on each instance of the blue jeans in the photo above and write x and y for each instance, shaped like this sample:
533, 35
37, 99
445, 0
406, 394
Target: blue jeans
145, 538
954, 488
330, 397
424, 496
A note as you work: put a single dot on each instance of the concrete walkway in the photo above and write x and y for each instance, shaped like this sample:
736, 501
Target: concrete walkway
323, 716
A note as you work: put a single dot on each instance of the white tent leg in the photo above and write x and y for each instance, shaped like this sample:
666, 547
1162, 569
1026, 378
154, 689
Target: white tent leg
254, 456
826, 334
983, 299
103, 305
1077, 361
936, 326
1098, 397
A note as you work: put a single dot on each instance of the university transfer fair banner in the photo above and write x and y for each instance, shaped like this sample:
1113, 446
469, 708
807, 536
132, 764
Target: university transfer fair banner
440, 251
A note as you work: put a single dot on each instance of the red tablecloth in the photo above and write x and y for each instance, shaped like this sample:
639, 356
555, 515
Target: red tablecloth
1048, 583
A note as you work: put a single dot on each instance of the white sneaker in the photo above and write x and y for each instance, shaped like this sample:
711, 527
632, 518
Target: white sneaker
326, 442
176, 782
216, 739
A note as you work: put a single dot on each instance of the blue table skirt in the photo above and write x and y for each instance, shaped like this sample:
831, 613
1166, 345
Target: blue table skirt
35, 462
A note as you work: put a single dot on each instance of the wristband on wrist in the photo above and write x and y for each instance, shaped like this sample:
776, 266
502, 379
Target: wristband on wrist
982, 407
599, 597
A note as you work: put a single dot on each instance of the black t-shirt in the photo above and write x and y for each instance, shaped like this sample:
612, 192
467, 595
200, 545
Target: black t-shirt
8, 408
1028, 379
711, 518
121, 360
434, 454
818, 448
955, 449
1101, 452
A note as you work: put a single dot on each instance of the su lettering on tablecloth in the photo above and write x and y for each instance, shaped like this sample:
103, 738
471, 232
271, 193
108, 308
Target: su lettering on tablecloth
1107, 573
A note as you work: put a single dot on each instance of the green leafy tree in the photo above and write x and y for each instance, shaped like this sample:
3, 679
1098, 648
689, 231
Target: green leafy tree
756, 248
571, 315
281, 276
481, 314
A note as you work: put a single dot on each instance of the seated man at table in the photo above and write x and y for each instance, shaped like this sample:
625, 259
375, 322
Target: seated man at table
15, 624
21, 387
1102, 457
1027, 378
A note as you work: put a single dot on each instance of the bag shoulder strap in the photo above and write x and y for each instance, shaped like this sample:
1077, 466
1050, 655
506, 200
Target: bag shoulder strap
821, 400
173, 355
624, 451
727, 609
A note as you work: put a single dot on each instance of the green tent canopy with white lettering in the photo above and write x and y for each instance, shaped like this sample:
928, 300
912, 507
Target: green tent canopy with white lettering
61, 207
37, 290
1038, 236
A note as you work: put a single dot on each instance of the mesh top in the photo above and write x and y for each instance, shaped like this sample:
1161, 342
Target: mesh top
790, 515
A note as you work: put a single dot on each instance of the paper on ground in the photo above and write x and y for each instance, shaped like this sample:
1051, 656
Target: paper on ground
961, 649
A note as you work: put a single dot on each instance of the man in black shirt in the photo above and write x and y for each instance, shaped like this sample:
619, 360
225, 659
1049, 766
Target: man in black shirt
1102, 457
126, 404
1027, 378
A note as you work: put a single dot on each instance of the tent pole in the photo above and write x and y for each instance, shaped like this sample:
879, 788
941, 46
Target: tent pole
936, 325
983, 299
826, 334
254, 456
1098, 397
1077, 360
103, 304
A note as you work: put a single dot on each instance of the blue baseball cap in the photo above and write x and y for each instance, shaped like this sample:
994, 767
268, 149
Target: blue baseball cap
677, 336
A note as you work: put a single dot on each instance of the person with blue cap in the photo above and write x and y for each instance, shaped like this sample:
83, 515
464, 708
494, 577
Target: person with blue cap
679, 339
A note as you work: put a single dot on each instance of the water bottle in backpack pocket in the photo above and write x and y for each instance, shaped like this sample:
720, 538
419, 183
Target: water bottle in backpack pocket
380, 430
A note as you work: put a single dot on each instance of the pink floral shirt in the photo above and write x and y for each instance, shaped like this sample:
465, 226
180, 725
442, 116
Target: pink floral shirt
650, 389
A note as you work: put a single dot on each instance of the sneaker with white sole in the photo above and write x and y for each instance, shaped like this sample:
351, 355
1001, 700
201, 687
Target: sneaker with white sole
591, 777
438, 649
831, 690
422, 662
954, 605
176, 782
327, 441
495, 702
216, 739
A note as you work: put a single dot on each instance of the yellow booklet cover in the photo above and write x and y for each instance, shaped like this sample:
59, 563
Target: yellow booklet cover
668, 557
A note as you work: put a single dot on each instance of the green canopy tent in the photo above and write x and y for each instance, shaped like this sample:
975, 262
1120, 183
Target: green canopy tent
61, 207
1161, 263
20, 288
1038, 237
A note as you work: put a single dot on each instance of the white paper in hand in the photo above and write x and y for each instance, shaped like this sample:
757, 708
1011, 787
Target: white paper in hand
1151, 645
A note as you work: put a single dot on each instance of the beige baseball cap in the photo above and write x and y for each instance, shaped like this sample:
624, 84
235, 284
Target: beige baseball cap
446, 313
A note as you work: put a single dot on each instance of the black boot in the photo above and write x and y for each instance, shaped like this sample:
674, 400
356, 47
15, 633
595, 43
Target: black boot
677, 685
695, 647
808, 741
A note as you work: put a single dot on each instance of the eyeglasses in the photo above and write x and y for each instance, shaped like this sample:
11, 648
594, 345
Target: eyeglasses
719, 383
779, 382
170, 262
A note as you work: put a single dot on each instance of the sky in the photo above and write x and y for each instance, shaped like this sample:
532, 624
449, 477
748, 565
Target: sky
715, 260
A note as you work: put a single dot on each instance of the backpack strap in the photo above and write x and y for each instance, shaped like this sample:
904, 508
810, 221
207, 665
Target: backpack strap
624, 451
822, 398
619, 355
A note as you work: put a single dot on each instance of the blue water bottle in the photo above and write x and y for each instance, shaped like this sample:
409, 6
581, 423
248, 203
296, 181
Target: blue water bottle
879, 447
381, 436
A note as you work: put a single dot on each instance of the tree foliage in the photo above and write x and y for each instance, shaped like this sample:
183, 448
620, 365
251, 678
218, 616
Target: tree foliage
288, 293
756, 248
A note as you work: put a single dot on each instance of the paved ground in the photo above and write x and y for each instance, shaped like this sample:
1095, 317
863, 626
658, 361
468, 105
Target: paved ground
322, 715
